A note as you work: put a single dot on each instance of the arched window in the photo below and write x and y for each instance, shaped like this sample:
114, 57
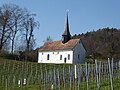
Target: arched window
60, 57
68, 56
48, 57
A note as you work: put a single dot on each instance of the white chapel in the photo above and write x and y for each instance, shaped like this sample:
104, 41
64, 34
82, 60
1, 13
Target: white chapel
66, 51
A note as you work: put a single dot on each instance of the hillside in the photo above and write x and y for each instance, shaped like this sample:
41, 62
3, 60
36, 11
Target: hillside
16, 75
102, 43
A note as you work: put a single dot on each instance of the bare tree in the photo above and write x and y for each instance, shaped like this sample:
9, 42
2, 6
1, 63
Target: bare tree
4, 30
30, 24
16, 22
13, 21
11, 17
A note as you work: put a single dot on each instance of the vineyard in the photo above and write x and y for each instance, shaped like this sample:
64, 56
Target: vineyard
15, 75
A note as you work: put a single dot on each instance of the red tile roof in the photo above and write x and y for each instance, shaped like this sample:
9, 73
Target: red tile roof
58, 45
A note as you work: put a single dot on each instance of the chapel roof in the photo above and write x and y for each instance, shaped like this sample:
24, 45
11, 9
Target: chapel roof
58, 45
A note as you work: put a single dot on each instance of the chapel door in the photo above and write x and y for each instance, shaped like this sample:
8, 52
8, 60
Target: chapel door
64, 60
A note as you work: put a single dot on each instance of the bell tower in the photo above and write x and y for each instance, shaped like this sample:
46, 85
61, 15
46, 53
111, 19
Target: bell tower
66, 35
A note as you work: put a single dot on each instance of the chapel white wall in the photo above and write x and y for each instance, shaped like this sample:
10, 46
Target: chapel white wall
55, 57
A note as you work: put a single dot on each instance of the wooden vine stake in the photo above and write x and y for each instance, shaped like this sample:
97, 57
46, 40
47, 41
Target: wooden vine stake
70, 78
97, 74
75, 71
58, 79
87, 75
79, 76
64, 81
54, 79
111, 76
119, 69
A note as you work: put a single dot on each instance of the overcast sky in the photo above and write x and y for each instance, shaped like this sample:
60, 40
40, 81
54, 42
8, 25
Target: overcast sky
84, 15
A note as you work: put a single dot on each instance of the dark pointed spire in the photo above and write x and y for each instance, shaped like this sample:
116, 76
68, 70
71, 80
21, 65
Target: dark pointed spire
66, 35
66, 32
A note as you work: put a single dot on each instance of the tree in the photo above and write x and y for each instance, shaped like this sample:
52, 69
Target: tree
16, 22
12, 17
30, 24
49, 39
4, 30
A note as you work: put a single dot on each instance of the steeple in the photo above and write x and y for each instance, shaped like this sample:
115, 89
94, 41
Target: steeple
66, 35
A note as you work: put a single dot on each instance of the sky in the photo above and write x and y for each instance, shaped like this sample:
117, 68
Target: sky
84, 16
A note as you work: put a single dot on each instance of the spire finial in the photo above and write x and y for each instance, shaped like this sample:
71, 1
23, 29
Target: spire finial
67, 11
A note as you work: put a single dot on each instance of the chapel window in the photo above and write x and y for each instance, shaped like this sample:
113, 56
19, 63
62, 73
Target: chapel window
48, 57
60, 57
68, 56
78, 56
